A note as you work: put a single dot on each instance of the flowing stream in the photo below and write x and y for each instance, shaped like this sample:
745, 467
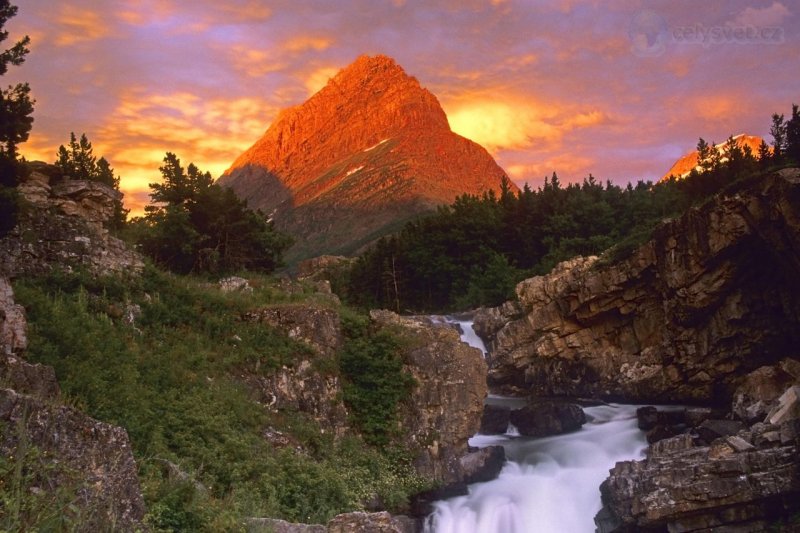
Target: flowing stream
548, 484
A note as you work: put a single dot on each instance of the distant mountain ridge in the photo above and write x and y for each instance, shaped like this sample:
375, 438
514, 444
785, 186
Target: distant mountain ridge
370, 151
683, 166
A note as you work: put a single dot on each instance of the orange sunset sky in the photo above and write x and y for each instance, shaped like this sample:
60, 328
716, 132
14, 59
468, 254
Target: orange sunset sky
619, 89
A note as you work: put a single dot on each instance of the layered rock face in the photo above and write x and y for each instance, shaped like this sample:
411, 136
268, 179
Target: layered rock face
737, 473
714, 295
83, 466
369, 151
689, 162
63, 227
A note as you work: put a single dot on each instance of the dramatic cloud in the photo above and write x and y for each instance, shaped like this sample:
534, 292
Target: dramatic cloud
619, 89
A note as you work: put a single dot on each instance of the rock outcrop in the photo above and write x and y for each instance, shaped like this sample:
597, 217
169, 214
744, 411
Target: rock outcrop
80, 465
721, 476
712, 297
369, 151
63, 227
303, 386
445, 408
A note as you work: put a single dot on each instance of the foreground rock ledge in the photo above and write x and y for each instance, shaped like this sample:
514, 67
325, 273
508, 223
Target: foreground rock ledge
680, 487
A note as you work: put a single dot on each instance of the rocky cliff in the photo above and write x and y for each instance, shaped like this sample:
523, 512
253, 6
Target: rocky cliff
62, 225
58, 459
711, 297
369, 151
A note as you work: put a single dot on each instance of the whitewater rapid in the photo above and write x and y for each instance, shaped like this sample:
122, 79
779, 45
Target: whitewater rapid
548, 484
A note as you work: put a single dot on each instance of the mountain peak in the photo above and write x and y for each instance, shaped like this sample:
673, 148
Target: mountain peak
370, 149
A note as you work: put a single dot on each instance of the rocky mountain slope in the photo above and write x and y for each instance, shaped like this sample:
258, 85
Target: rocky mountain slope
713, 296
368, 152
689, 162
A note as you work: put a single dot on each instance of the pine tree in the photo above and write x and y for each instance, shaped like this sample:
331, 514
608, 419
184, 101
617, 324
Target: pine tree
778, 132
16, 108
703, 155
793, 135
79, 163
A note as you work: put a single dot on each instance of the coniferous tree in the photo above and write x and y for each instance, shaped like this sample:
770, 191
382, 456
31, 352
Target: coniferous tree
195, 225
16, 109
793, 135
778, 132
703, 155
764, 155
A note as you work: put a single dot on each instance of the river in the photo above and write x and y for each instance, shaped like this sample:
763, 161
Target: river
547, 484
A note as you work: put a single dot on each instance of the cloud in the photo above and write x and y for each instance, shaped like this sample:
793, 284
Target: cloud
763, 17
208, 132
319, 78
76, 26
498, 124
306, 43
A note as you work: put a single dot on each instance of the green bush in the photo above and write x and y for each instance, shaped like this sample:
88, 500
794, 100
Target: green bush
375, 380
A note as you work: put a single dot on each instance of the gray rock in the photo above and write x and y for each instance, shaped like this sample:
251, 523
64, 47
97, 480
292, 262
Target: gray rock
13, 326
698, 488
381, 522
495, 419
759, 392
235, 284
483, 465
546, 418
713, 429
92, 463
273, 525
788, 407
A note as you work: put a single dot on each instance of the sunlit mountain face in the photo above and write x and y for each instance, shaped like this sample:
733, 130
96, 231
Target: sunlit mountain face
369, 151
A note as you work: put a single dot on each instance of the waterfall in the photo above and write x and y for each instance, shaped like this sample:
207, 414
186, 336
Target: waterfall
548, 484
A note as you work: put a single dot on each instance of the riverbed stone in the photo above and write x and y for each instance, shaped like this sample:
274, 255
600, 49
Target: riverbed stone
495, 419
545, 418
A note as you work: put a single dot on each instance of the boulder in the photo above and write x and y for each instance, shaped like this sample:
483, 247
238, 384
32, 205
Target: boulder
13, 326
788, 407
316, 326
483, 465
495, 419
65, 228
646, 417
274, 525
545, 418
235, 284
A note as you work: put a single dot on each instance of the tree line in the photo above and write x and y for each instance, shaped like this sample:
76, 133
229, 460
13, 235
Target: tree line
475, 251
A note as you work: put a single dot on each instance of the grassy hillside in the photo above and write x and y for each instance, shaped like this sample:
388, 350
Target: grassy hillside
168, 377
